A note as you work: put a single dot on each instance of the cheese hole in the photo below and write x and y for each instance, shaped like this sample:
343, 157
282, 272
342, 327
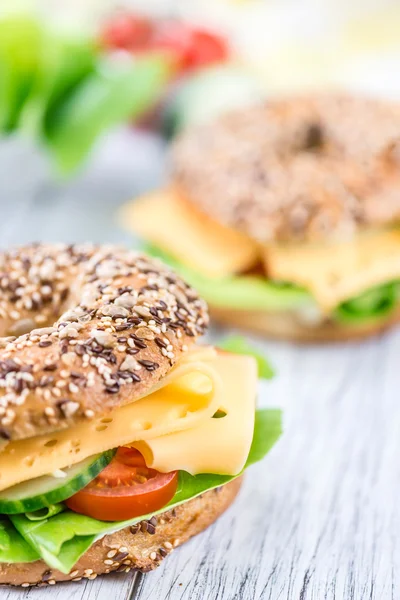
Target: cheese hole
101, 427
51, 443
106, 420
146, 426
179, 413
75, 443
29, 460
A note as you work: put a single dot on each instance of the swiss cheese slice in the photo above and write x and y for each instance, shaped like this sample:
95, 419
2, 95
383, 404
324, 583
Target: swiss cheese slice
198, 386
191, 392
200, 243
217, 445
338, 271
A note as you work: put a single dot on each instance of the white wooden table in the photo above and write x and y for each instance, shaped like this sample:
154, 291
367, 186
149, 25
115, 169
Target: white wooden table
319, 518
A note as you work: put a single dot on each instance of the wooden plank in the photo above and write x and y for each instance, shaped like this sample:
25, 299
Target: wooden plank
111, 587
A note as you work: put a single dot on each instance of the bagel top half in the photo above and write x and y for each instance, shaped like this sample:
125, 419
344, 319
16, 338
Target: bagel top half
287, 208
304, 169
104, 325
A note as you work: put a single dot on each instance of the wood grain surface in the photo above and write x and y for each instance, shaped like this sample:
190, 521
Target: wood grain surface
319, 518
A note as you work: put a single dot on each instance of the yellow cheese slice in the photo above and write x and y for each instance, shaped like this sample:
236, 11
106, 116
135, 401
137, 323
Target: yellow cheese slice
338, 271
191, 393
166, 221
216, 445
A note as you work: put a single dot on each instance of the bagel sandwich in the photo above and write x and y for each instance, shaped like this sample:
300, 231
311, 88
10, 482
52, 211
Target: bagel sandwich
120, 437
285, 216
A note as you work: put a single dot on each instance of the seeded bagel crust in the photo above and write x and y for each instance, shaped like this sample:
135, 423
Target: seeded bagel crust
300, 169
141, 547
105, 325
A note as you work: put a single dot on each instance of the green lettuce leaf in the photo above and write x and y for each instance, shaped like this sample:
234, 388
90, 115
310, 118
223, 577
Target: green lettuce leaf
64, 64
20, 49
242, 292
108, 96
374, 304
61, 539
239, 345
13, 546
46, 512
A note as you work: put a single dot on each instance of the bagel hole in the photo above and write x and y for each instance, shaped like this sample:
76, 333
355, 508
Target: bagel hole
313, 138
50, 443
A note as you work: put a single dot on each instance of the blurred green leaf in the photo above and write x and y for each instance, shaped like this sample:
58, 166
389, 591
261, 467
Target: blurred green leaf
64, 64
20, 49
373, 304
108, 96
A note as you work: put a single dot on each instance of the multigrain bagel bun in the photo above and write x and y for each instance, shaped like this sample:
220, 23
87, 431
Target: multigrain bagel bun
105, 325
138, 548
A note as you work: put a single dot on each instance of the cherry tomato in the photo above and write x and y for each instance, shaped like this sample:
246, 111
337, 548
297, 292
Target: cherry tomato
175, 38
125, 489
206, 48
192, 47
127, 32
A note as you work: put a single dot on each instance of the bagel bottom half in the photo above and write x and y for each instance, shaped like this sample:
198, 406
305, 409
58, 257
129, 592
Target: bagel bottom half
286, 326
141, 547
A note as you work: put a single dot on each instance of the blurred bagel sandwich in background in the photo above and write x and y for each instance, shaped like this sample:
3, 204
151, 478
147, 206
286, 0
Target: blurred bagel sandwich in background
284, 216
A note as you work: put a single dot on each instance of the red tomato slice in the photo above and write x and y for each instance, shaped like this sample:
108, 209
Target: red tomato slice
125, 489
127, 32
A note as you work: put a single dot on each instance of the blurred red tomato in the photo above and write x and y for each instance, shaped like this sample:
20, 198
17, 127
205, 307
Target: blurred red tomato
175, 38
192, 47
127, 32
207, 48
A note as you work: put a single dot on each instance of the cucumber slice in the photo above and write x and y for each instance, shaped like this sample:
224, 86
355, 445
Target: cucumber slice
47, 490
